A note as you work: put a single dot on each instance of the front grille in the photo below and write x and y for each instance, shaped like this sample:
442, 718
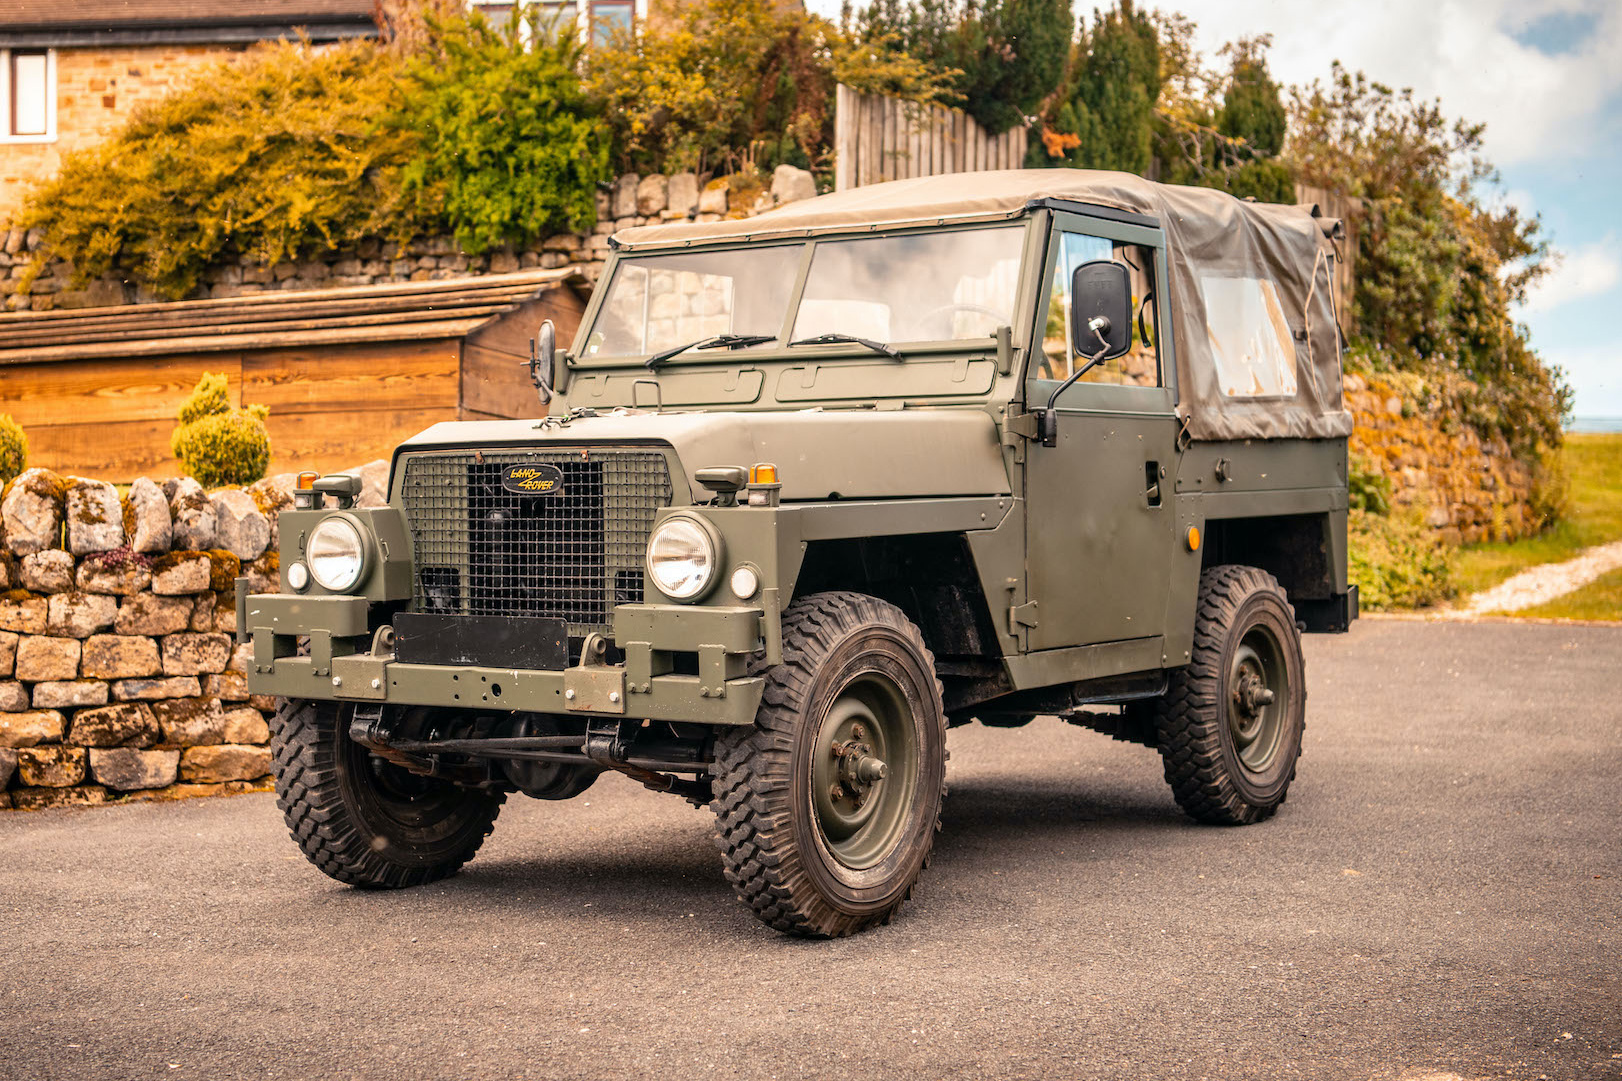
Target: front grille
483, 550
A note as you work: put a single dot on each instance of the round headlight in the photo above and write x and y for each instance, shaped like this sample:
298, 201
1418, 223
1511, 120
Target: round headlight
336, 554
682, 557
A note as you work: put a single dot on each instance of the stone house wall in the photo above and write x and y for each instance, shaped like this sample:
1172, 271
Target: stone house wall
120, 676
96, 91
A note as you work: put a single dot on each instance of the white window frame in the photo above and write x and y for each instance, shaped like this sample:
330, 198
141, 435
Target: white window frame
582, 13
6, 135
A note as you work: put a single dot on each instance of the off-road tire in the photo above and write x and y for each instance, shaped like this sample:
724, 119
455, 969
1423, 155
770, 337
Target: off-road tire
1198, 746
778, 857
347, 822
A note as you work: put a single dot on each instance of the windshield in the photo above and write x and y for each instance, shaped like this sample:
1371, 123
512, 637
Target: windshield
920, 287
664, 301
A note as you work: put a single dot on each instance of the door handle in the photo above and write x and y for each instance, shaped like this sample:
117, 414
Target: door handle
1152, 475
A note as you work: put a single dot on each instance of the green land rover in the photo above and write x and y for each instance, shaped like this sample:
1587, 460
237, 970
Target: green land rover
814, 487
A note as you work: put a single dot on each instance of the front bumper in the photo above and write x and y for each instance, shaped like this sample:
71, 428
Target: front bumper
340, 664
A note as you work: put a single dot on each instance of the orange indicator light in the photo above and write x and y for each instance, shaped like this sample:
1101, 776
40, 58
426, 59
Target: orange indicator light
764, 473
1193, 538
307, 479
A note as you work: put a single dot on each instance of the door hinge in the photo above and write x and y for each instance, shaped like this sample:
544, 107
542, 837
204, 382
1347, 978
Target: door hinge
1017, 426
1021, 615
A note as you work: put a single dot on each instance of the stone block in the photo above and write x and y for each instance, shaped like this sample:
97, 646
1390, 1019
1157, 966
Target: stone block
190, 722
8, 766
563, 242
8, 652
31, 512
791, 184
225, 613
13, 697
713, 199
128, 769
152, 529
240, 527
270, 496
181, 573
682, 194
623, 196
245, 725
264, 703
150, 690
50, 571
95, 517
193, 516
227, 686
42, 658
503, 262
47, 799
121, 656
51, 767
202, 612
30, 728
241, 658
69, 694
226, 762
150, 614
190, 654
79, 615
120, 572
25, 615
652, 193
126, 724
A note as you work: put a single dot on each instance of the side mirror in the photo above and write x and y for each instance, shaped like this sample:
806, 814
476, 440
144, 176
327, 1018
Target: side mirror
1100, 310
543, 352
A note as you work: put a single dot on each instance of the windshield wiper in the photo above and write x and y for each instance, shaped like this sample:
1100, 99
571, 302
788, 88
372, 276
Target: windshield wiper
830, 339
720, 341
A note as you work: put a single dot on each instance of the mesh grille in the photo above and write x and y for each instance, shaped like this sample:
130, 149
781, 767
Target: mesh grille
482, 550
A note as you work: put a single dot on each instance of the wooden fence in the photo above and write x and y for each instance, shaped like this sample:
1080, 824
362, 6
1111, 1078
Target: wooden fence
880, 138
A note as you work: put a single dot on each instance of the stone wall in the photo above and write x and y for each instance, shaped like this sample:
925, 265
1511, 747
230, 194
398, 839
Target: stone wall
120, 676
1467, 488
96, 91
630, 201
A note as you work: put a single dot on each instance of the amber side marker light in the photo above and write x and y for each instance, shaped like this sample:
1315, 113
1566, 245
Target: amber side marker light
304, 498
763, 485
1193, 538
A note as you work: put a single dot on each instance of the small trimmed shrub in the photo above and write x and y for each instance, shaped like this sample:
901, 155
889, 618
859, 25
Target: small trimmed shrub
219, 445
13, 448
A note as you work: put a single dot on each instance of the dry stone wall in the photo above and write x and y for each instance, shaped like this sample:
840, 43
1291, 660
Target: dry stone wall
120, 676
631, 200
1466, 488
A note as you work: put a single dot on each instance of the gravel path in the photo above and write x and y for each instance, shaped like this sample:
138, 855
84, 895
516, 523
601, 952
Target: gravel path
1540, 584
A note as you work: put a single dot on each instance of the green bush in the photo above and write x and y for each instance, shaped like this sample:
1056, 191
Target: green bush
280, 155
219, 445
13, 448
1366, 489
506, 141
1397, 563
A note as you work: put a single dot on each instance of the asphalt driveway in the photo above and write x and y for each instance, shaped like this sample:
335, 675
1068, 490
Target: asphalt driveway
1440, 896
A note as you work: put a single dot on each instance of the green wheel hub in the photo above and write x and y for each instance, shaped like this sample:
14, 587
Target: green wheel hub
864, 770
1258, 697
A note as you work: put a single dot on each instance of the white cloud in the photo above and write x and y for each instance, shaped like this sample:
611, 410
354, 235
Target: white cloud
1595, 373
1586, 272
1466, 52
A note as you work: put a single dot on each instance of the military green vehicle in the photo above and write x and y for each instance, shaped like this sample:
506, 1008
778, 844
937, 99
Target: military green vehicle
814, 487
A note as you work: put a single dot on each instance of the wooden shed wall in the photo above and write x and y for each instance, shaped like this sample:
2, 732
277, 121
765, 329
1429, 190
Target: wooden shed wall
331, 406
495, 379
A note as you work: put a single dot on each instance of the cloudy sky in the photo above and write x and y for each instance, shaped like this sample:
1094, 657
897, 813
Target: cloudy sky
1545, 76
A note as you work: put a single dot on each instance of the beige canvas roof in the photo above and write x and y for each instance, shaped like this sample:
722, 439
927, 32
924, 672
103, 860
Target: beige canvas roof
1251, 283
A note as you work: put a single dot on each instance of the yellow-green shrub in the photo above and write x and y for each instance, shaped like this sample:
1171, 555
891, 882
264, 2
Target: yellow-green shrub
13, 448
219, 445
1397, 563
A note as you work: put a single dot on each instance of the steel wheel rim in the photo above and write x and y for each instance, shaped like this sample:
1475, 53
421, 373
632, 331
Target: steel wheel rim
860, 817
1258, 698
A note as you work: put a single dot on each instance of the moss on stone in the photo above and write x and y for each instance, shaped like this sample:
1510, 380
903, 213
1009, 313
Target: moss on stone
223, 568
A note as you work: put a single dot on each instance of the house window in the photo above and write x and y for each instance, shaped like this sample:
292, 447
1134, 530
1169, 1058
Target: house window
550, 14
611, 18
28, 96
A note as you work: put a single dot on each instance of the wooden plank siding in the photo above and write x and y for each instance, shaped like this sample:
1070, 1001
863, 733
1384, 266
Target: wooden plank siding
877, 138
334, 401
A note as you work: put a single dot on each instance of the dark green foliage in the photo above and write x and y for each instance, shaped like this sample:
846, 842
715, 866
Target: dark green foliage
13, 448
1252, 110
278, 155
1396, 562
219, 445
1103, 114
1366, 489
1437, 270
506, 142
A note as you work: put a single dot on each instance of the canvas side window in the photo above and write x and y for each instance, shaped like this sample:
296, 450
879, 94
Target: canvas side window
1250, 339
1138, 368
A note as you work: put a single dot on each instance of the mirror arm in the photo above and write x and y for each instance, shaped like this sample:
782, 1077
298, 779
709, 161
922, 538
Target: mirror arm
1048, 421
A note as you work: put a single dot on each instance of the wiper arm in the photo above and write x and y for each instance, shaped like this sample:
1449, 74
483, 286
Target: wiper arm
830, 339
720, 341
